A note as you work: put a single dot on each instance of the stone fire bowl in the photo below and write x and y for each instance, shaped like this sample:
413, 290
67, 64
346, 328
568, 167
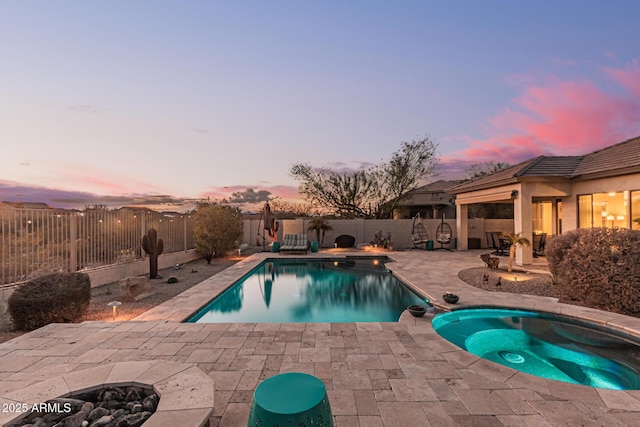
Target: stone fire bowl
185, 391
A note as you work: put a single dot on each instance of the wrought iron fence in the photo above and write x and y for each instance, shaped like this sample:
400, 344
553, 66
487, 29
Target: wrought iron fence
34, 242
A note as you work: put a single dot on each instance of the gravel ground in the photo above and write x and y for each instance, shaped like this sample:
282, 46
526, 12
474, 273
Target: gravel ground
189, 275
527, 284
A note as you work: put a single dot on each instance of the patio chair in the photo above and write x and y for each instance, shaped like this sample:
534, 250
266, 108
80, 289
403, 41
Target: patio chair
295, 243
491, 242
502, 244
419, 235
443, 234
539, 242
495, 242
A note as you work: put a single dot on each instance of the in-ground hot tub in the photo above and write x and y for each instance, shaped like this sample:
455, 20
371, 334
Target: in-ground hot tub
547, 345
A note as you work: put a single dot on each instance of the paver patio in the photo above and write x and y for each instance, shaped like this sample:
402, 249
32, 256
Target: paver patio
376, 374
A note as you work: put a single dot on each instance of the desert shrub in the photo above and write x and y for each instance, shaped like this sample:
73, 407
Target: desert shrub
598, 268
58, 297
218, 229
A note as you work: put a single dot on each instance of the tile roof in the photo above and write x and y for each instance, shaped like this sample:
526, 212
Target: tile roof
504, 176
561, 166
611, 160
623, 155
440, 185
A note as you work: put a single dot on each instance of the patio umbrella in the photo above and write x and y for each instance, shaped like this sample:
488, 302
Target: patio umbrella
268, 216
268, 285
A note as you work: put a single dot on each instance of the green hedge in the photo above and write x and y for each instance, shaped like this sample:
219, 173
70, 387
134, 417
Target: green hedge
58, 297
598, 268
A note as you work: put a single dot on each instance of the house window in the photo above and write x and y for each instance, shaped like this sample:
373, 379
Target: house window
542, 217
603, 210
635, 210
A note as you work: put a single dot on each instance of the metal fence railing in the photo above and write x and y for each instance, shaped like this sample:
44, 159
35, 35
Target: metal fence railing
34, 242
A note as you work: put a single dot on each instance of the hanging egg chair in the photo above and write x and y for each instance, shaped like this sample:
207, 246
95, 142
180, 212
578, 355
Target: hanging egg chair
443, 234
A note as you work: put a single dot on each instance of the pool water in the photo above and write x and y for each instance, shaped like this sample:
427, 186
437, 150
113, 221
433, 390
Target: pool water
546, 345
294, 290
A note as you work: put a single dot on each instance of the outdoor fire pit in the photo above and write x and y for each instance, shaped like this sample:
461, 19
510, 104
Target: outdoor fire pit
179, 393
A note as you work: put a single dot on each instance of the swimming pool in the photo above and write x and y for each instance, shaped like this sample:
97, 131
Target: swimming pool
352, 289
546, 345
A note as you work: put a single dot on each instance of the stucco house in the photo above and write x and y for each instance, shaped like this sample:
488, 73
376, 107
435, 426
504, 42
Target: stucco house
554, 194
430, 201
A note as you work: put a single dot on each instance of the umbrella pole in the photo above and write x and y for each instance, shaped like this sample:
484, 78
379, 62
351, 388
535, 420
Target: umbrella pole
261, 235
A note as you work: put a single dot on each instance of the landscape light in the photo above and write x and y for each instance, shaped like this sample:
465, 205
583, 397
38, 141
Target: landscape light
114, 305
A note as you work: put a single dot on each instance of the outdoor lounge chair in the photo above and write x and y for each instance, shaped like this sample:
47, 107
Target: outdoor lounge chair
295, 243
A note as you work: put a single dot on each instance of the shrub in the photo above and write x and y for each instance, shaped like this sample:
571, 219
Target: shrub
58, 297
598, 268
217, 230
381, 239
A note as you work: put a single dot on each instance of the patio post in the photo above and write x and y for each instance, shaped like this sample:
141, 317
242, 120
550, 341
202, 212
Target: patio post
522, 222
462, 227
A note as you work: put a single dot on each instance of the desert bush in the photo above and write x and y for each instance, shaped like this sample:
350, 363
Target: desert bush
218, 229
598, 268
58, 297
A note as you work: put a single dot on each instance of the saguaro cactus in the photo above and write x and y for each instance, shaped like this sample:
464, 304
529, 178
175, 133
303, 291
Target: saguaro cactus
152, 247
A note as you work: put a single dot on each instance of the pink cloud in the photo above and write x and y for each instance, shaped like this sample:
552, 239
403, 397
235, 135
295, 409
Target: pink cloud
558, 117
79, 177
629, 78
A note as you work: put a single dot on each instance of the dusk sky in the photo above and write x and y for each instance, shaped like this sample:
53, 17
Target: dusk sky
164, 100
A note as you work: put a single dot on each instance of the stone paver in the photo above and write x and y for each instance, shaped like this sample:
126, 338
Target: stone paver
376, 374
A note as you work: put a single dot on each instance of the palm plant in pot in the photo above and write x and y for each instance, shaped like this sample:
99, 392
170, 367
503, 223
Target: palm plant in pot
320, 226
517, 239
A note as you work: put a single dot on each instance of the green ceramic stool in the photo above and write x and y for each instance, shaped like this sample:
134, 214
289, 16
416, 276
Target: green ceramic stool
291, 399
314, 246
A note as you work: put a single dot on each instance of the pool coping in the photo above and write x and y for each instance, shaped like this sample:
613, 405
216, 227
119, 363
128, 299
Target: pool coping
185, 305
234, 356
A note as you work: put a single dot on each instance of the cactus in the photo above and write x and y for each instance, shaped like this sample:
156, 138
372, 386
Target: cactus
152, 247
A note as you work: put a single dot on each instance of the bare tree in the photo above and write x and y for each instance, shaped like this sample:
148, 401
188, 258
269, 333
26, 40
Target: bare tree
478, 170
373, 192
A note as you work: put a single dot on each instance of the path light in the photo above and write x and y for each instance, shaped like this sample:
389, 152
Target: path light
115, 305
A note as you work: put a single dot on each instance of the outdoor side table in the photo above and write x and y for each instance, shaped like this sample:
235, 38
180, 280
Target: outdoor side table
291, 399
314, 246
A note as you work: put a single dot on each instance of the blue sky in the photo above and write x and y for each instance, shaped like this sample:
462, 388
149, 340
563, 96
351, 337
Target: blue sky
185, 99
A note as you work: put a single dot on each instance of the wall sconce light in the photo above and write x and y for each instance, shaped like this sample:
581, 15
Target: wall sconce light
514, 194
114, 305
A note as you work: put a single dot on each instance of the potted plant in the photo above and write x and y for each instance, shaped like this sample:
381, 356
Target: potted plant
516, 240
320, 226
